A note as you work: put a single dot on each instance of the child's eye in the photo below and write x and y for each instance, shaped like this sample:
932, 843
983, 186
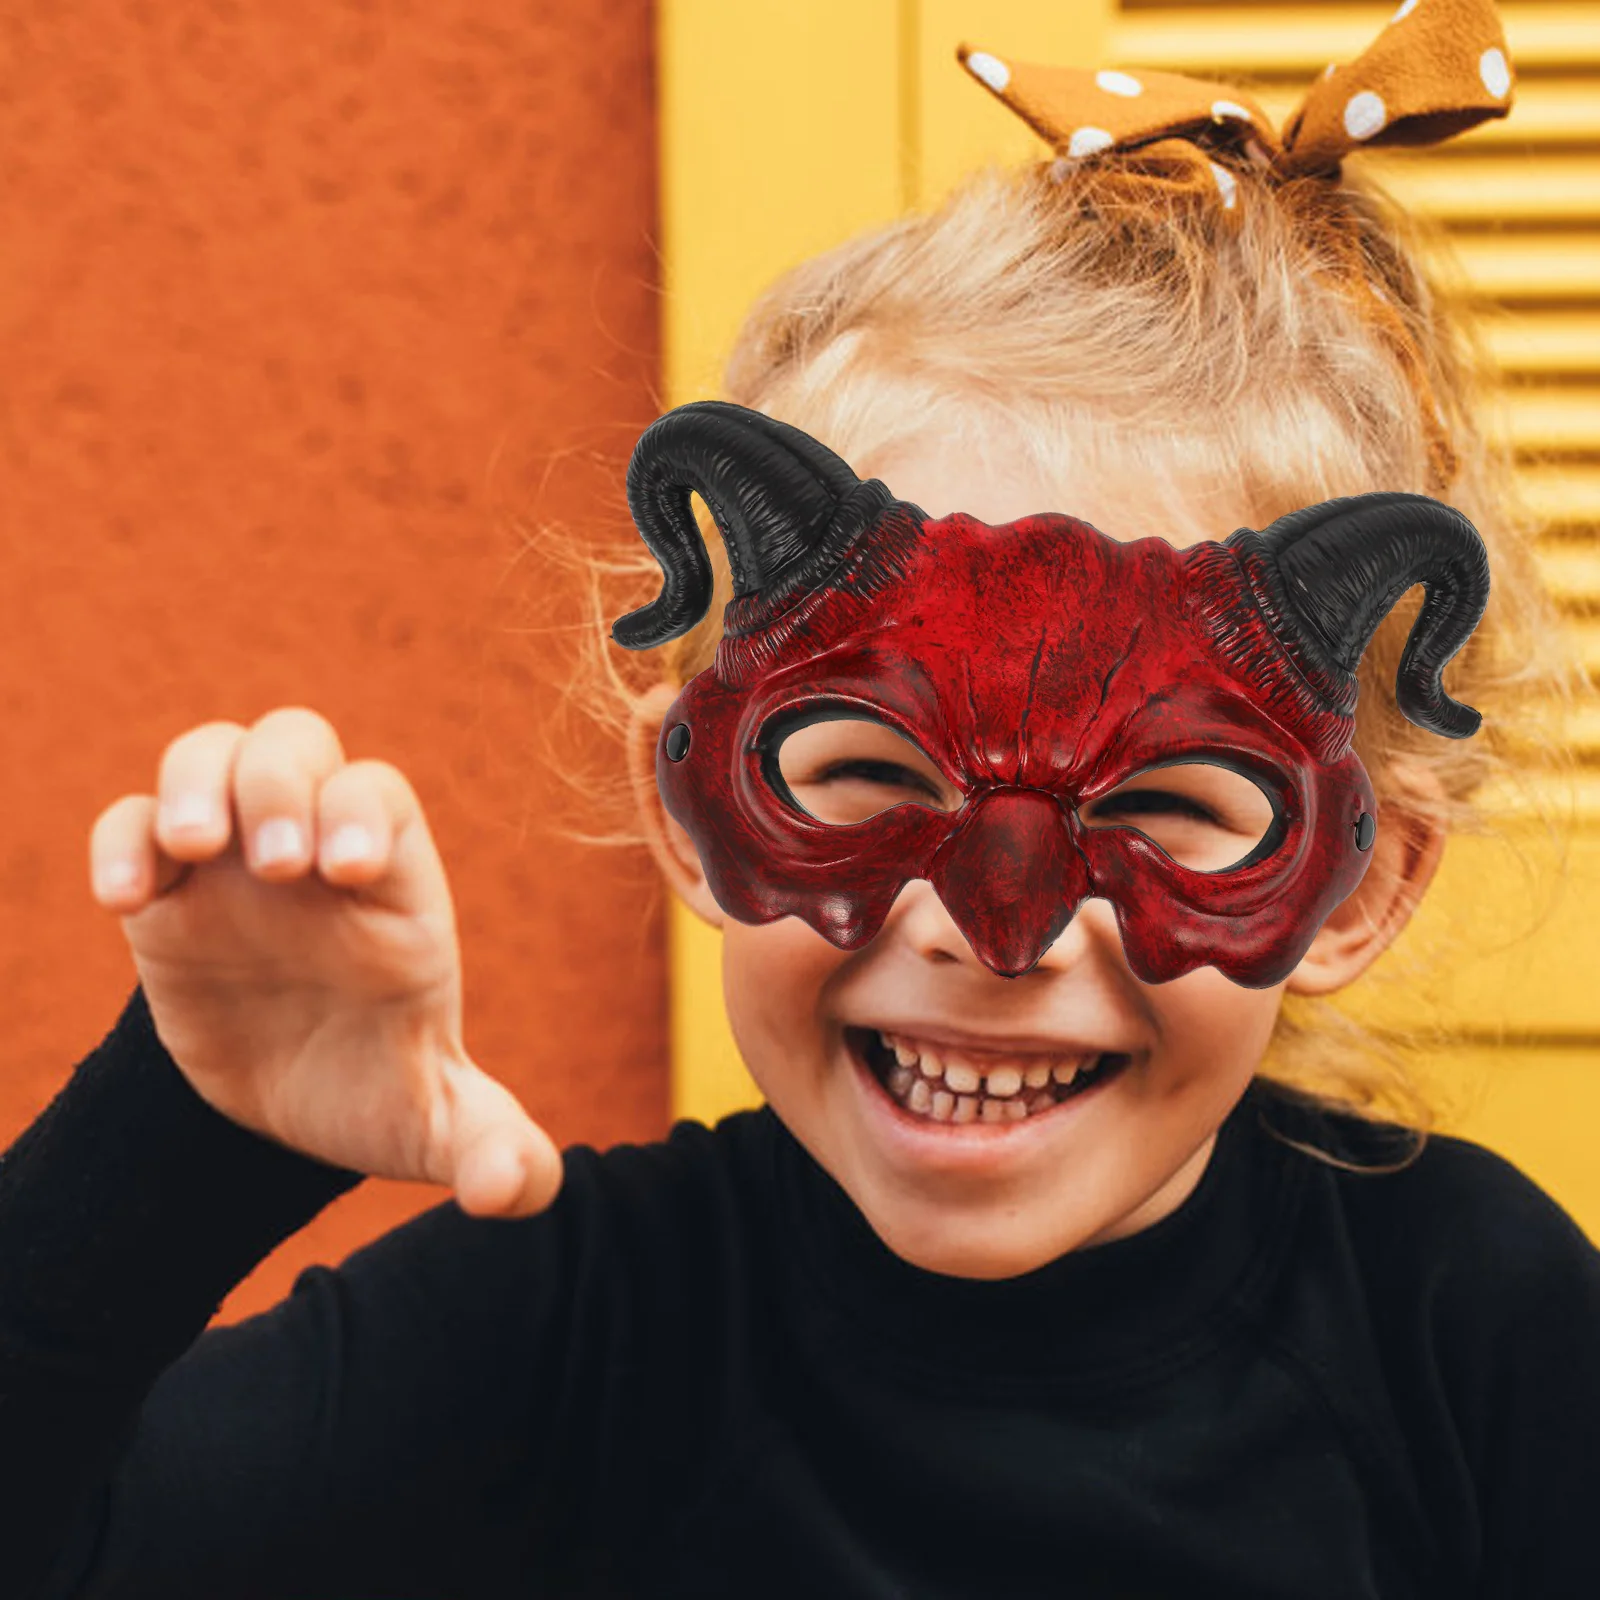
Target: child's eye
887, 773
1138, 801
843, 770
1209, 819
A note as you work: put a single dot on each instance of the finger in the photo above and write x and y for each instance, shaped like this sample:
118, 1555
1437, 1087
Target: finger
504, 1163
372, 834
192, 820
280, 765
127, 869
359, 810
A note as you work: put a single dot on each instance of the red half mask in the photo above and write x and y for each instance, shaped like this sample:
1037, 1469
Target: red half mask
1040, 667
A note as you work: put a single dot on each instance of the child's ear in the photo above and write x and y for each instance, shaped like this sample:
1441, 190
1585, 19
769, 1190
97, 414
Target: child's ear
1406, 852
669, 843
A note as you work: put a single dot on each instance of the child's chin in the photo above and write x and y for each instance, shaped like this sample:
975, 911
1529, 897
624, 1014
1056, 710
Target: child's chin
988, 1244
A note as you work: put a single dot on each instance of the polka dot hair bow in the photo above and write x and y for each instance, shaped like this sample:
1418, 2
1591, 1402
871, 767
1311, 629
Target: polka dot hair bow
1438, 68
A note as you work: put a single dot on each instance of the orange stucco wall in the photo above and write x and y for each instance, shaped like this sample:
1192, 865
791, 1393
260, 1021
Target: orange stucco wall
299, 305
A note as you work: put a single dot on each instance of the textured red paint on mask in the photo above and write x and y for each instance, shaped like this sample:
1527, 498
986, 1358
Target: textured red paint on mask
1039, 664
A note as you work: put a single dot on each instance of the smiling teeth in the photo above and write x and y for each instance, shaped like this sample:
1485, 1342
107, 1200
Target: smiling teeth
1004, 1081
943, 1087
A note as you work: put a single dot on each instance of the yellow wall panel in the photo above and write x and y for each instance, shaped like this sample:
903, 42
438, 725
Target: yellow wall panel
1539, 1109
959, 125
1509, 932
779, 137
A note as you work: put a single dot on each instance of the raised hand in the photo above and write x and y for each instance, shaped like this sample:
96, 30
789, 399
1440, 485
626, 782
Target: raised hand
293, 932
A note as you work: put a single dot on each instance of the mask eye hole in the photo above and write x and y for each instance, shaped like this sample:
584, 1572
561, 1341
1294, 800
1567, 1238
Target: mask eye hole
1206, 816
840, 768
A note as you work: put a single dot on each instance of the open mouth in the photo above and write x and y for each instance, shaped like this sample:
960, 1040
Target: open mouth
946, 1085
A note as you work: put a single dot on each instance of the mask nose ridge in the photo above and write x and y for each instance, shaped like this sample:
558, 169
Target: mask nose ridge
1011, 878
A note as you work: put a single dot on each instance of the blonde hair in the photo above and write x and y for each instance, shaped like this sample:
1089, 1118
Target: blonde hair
1112, 325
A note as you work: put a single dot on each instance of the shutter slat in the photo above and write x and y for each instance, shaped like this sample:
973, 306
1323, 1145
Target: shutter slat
1227, 41
1531, 266
1566, 494
1582, 724
1531, 796
1571, 569
1545, 111
1507, 188
1584, 632
1578, 727
1544, 342
1562, 417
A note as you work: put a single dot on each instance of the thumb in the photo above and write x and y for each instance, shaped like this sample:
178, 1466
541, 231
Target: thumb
504, 1163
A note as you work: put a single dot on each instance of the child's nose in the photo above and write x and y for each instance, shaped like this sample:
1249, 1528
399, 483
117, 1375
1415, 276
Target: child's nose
1011, 879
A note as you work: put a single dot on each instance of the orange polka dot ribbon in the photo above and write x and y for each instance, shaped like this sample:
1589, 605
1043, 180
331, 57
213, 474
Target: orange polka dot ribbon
1437, 68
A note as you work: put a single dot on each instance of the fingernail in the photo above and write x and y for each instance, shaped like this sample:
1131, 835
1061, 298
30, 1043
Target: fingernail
348, 842
112, 877
188, 811
279, 839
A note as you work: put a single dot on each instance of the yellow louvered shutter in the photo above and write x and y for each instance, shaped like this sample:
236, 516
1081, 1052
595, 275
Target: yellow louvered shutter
1519, 199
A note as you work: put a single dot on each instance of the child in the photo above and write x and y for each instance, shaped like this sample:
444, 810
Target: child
1186, 1329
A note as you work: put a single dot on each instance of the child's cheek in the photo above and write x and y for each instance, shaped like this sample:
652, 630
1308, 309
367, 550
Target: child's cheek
774, 977
1213, 1035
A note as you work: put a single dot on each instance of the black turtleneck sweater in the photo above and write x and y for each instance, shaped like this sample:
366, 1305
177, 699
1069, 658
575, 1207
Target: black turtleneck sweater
701, 1374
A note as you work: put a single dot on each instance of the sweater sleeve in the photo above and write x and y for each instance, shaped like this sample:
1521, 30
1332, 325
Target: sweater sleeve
128, 1209
366, 1436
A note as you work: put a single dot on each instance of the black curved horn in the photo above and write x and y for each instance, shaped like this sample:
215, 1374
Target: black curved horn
1341, 565
778, 496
